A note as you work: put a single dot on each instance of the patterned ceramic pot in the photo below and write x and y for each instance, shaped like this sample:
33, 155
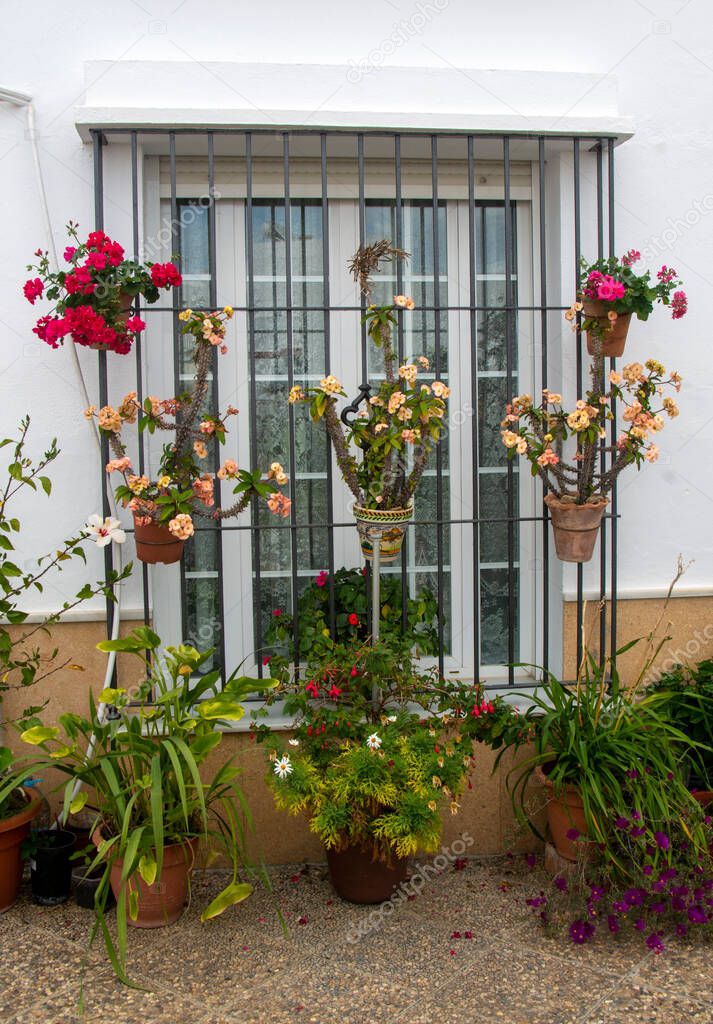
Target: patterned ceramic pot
393, 523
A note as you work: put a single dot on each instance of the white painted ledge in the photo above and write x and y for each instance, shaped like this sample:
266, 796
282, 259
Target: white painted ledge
173, 94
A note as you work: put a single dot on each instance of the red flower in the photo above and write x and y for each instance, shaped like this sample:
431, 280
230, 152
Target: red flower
115, 253
266, 660
334, 692
165, 275
135, 324
354, 671
277, 612
79, 281
96, 260
353, 619
69, 253
97, 239
321, 579
33, 290
311, 687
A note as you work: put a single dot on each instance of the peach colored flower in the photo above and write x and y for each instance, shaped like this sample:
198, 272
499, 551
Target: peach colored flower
652, 454
227, 470
181, 526
396, 401
90, 412
200, 449
330, 385
404, 413
423, 363
440, 389
279, 504
121, 465
408, 372
207, 427
109, 419
137, 484
615, 378
203, 489
548, 458
296, 394
404, 302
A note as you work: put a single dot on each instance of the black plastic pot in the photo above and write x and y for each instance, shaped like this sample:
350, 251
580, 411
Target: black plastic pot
86, 885
51, 868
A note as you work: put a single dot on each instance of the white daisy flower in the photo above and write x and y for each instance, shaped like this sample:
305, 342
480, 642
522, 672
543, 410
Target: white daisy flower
294, 743
104, 531
373, 742
283, 767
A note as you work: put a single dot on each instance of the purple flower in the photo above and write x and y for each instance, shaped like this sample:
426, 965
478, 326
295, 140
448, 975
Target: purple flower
681, 929
654, 942
632, 773
573, 834
668, 874
561, 883
581, 932
637, 833
657, 908
620, 906
636, 815
697, 915
621, 823
678, 903
530, 859
640, 924
662, 840
634, 897
596, 892
613, 923
647, 869
536, 901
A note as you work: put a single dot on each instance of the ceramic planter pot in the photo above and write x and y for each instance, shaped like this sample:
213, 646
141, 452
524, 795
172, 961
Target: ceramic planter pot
156, 544
162, 903
126, 302
358, 878
51, 867
393, 520
575, 527
614, 337
565, 811
14, 830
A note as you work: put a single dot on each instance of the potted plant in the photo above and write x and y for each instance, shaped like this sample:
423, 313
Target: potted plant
383, 451
93, 296
610, 292
378, 750
140, 771
606, 755
86, 880
689, 706
22, 662
577, 490
164, 508
349, 587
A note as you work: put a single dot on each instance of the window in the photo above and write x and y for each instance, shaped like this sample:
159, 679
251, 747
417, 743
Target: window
266, 221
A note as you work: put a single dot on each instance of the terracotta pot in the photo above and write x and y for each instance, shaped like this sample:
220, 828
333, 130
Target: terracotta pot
565, 811
358, 878
393, 520
575, 527
13, 832
703, 796
614, 337
125, 302
162, 903
156, 543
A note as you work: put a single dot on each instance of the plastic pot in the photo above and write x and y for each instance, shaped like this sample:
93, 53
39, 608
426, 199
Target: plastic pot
85, 886
14, 830
358, 878
156, 544
51, 868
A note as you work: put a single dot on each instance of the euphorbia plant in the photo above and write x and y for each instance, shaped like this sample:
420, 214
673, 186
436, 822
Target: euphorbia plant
540, 431
93, 295
183, 489
383, 452
143, 773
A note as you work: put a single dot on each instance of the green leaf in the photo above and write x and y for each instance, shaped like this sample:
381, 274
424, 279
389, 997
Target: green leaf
221, 707
46, 484
39, 734
111, 694
147, 868
236, 892
79, 801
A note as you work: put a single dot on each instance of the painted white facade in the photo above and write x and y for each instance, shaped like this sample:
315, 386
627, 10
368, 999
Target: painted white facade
640, 70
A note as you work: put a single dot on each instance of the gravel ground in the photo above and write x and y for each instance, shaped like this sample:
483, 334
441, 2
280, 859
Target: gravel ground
465, 949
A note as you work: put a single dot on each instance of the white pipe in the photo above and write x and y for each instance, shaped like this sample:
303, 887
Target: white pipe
20, 99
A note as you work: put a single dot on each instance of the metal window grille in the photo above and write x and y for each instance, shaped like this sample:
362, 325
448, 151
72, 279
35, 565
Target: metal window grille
594, 182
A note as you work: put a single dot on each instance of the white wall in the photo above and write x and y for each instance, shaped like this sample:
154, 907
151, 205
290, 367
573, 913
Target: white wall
661, 53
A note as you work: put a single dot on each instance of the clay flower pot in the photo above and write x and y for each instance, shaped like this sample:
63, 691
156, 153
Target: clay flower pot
13, 832
358, 878
155, 543
162, 903
565, 811
391, 539
614, 335
575, 527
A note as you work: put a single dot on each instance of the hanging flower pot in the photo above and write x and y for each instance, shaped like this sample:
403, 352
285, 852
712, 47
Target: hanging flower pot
575, 527
358, 878
125, 304
393, 520
162, 902
155, 543
611, 333
14, 830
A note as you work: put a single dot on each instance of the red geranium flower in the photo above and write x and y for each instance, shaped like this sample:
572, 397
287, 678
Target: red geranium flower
353, 619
